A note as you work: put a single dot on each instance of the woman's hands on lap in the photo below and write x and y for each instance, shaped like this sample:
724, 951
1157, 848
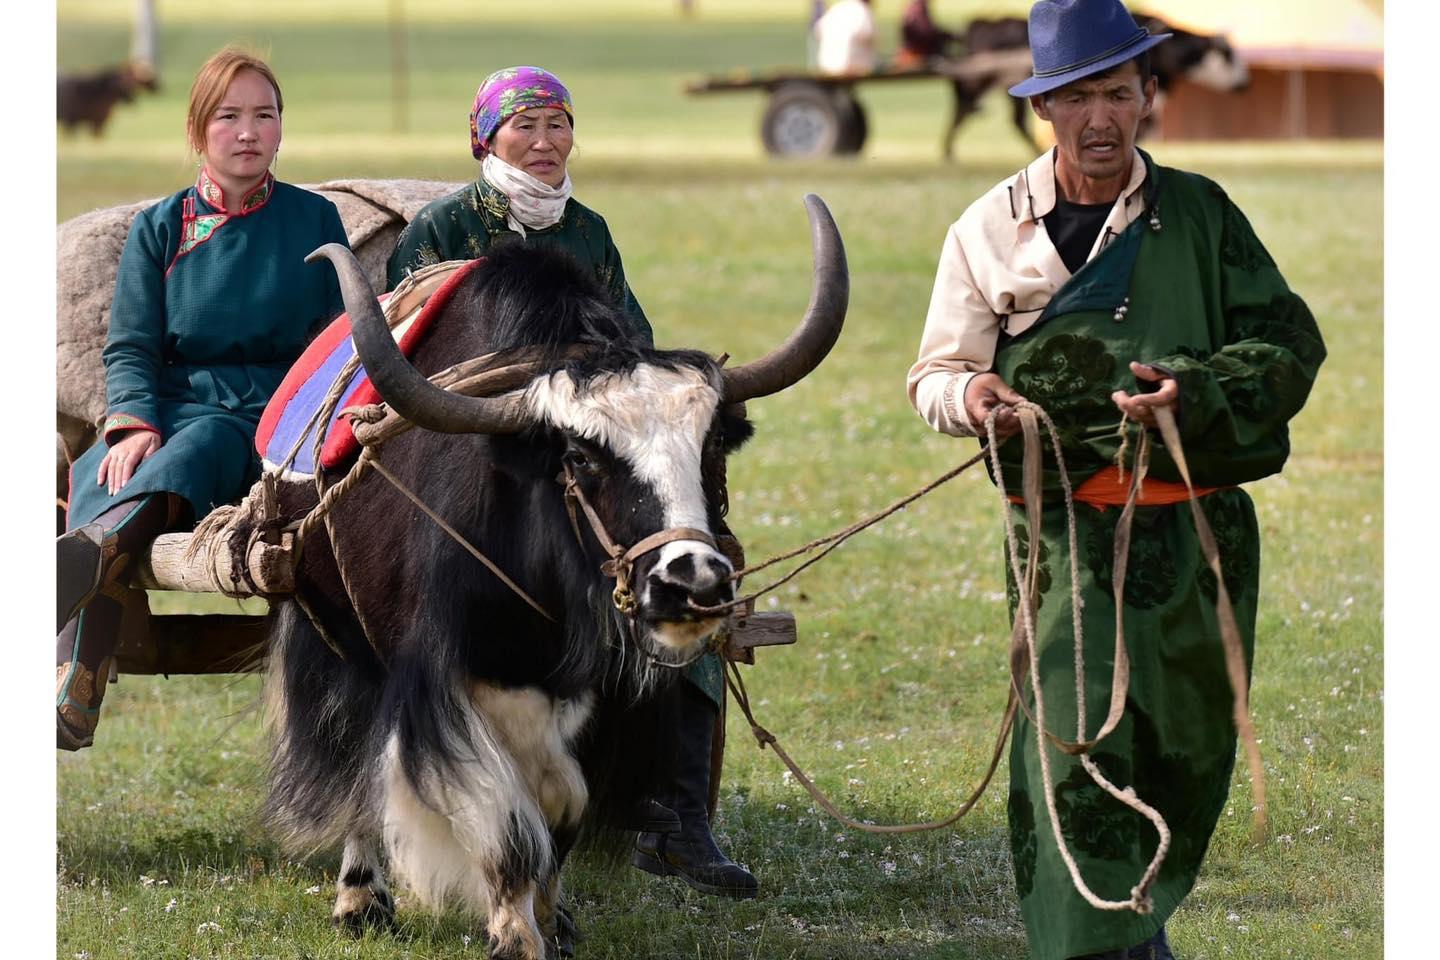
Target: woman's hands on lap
124, 458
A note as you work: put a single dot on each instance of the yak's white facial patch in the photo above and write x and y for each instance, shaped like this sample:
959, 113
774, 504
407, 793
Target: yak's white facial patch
653, 418
1218, 73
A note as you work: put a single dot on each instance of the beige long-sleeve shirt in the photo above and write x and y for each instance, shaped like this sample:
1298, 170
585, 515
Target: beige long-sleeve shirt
998, 270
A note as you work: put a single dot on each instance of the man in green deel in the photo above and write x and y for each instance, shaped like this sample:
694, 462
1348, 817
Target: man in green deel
1094, 283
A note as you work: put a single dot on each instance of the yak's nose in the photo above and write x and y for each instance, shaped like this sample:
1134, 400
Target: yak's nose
704, 578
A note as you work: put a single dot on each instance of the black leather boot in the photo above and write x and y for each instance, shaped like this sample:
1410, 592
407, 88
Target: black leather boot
691, 853
651, 816
80, 563
87, 558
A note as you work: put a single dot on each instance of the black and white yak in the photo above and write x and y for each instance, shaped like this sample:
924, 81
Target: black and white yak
420, 702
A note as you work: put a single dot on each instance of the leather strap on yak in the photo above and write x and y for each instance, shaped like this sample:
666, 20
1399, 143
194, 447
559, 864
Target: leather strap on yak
622, 562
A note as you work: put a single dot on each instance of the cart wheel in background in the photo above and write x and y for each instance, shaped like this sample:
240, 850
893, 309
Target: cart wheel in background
803, 120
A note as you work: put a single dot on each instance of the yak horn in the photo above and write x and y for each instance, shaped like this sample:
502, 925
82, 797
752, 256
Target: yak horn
403, 388
818, 330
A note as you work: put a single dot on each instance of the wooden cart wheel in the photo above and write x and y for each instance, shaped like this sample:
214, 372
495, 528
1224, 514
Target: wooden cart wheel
803, 119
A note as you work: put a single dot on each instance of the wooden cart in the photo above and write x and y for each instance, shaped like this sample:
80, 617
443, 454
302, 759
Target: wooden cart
811, 114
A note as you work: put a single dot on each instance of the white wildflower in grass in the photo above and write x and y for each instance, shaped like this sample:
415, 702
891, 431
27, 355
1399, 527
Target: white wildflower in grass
465, 939
1233, 917
146, 881
844, 855
209, 926
888, 867
83, 955
170, 907
313, 890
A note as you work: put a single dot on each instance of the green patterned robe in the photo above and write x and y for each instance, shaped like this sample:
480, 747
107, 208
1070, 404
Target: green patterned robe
465, 224
468, 222
1207, 304
209, 314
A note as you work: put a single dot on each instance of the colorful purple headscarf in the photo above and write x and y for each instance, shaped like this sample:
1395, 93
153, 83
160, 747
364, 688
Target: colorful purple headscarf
505, 93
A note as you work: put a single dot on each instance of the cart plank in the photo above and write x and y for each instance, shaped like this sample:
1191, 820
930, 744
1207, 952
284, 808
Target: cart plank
998, 62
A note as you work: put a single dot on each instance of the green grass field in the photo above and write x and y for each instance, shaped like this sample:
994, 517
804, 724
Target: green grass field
893, 692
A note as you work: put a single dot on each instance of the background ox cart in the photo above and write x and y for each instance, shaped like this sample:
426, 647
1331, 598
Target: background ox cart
811, 114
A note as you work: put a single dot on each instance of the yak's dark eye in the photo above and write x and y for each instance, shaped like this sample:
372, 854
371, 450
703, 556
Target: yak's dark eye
581, 459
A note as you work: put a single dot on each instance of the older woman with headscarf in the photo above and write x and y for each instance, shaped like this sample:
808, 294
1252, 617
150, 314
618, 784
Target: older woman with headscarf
522, 130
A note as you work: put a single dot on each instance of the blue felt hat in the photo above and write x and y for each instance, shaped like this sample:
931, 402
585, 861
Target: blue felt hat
1071, 39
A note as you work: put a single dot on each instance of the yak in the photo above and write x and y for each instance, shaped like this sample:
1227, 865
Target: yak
417, 702
1198, 58
89, 98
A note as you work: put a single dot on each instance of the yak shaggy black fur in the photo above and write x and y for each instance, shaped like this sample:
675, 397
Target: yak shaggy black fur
422, 621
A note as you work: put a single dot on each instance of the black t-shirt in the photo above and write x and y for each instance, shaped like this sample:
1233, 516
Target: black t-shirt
1073, 228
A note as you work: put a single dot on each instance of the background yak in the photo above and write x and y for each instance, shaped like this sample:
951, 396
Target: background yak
88, 98
1199, 58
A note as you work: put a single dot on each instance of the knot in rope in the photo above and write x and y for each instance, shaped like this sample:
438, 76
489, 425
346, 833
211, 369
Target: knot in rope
365, 413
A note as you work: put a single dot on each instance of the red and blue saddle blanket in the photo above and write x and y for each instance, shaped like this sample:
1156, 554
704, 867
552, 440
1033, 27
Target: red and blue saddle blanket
410, 310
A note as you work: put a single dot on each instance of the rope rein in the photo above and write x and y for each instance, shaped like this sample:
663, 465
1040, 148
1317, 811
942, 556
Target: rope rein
830, 542
1029, 415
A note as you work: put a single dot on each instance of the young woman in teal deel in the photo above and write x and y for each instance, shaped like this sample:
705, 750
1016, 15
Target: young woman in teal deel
213, 302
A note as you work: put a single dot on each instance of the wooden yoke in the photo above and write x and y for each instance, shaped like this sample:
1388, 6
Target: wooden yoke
167, 567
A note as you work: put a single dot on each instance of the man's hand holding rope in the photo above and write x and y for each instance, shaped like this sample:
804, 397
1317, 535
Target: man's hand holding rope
1140, 407
984, 393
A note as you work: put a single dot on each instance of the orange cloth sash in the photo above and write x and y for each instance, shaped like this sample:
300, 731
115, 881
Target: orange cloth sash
1108, 489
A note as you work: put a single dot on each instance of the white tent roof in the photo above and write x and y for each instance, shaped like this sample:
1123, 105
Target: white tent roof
1336, 34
